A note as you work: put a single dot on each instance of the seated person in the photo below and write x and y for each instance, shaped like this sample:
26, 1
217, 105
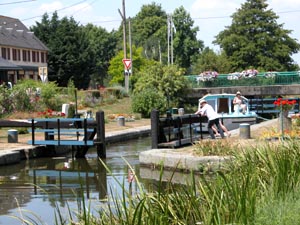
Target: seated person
239, 104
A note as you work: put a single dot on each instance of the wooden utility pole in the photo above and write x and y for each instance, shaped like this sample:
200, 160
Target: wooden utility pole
123, 15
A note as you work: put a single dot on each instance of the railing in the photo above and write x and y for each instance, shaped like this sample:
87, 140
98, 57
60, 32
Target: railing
54, 134
175, 131
267, 106
261, 79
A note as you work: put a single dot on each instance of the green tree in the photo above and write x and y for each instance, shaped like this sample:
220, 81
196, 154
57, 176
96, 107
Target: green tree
116, 67
149, 30
70, 56
186, 45
102, 45
255, 39
167, 80
208, 60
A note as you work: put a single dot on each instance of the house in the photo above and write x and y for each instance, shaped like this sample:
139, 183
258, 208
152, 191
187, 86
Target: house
22, 54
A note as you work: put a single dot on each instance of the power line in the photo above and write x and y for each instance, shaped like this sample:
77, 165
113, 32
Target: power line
67, 7
17, 2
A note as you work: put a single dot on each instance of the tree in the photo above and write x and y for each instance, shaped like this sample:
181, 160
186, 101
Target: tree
167, 80
254, 39
102, 45
116, 67
208, 60
69, 55
186, 45
149, 30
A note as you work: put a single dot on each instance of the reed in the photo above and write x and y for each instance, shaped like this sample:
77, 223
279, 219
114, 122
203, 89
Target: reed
259, 186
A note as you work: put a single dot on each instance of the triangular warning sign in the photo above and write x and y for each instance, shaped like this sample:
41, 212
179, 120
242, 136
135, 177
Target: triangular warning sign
127, 63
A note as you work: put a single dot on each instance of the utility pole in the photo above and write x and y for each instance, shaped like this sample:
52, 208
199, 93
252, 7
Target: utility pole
170, 39
130, 44
123, 16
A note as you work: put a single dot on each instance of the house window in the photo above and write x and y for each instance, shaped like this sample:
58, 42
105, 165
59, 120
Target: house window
37, 56
5, 52
24, 53
43, 57
16, 55
28, 56
33, 56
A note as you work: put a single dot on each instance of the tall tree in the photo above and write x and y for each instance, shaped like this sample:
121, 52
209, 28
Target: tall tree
255, 39
102, 45
69, 55
149, 30
186, 45
208, 60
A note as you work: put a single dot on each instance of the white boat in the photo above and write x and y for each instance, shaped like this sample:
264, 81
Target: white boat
230, 114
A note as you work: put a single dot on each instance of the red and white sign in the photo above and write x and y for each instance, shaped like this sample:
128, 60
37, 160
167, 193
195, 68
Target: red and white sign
127, 63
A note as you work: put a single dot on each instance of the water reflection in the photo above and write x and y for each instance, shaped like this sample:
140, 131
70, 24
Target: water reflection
37, 185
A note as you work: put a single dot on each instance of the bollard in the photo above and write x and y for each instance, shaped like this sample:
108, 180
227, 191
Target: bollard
12, 136
65, 109
245, 131
121, 121
181, 111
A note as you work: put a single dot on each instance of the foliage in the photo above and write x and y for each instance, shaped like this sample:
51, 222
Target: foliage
254, 39
149, 27
116, 68
6, 100
145, 101
70, 55
209, 60
186, 45
166, 80
212, 147
259, 185
103, 47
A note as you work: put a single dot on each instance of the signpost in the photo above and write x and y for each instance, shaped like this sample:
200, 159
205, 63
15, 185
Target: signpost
43, 73
127, 64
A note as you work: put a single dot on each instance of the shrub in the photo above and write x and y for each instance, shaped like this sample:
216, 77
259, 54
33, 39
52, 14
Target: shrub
144, 102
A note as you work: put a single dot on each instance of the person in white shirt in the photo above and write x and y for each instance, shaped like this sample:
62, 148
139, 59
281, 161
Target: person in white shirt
213, 118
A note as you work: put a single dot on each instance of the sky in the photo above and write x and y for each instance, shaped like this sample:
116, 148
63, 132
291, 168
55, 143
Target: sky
211, 16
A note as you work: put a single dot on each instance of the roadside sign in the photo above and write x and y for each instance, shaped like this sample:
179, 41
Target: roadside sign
43, 72
127, 63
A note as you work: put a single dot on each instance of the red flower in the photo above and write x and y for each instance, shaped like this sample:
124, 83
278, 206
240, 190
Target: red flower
284, 104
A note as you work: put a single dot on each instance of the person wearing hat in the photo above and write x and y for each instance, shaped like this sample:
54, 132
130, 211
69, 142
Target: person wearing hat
239, 105
213, 118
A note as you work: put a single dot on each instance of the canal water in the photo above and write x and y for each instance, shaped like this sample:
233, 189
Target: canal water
33, 188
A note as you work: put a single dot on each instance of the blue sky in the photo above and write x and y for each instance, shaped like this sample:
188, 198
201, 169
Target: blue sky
211, 16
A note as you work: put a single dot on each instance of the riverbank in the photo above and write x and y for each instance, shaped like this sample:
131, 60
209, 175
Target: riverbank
173, 158
185, 159
11, 153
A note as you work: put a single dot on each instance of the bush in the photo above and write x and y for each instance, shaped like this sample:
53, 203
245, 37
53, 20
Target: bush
144, 102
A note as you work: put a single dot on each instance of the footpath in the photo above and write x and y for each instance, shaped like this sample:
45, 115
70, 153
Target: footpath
172, 158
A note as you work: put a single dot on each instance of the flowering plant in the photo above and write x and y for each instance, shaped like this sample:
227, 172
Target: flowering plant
284, 104
49, 113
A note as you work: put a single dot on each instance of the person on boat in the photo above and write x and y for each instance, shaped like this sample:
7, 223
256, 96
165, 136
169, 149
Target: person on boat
213, 118
239, 104
223, 128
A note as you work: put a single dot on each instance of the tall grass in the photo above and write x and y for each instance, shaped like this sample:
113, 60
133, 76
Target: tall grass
259, 186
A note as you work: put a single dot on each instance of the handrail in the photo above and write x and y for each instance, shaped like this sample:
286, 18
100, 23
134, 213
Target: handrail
50, 132
263, 78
